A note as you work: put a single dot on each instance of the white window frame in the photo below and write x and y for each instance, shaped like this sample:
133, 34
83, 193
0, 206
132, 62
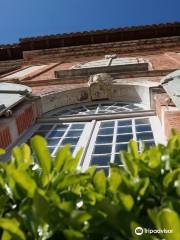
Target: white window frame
156, 130
88, 136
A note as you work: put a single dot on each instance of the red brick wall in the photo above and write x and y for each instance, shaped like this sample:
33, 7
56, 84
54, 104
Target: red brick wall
167, 113
12, 128
161, 61
171, 120
24, 120
5, 137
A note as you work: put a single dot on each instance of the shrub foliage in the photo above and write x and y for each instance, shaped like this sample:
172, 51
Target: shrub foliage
51, 199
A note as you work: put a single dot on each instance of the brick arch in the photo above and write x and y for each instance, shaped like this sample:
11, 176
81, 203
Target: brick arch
122, 90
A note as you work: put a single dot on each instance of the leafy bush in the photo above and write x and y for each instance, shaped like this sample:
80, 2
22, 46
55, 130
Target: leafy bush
51, 199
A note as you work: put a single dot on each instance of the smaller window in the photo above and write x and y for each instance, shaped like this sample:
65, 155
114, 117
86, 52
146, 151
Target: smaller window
24, 72
108, 65
110, 62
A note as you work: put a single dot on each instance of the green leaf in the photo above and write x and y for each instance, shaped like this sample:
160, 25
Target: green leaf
152, 213
66, 206
71, 164
91, 170
17, 155
72, 234
41, 205
61, 157
39, 145
99, 181
23, 179
133, 148
170, 178
12, 227
2, 182
80, 216
21, 156
144, 185
154, 157
115, 179
178, 185
2, 151
127, 200
91, 196
129, 163
26, 152
70, 180
6, 235
169, 219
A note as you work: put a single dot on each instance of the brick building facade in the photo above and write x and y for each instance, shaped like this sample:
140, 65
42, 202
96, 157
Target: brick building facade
117, 66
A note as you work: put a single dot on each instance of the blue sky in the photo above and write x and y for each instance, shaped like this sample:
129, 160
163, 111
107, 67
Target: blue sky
26, 18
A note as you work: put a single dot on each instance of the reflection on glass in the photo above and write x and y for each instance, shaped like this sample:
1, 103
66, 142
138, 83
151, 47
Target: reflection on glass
124, 138
100, 160
104, 139
144, 136
100, 149
124, 122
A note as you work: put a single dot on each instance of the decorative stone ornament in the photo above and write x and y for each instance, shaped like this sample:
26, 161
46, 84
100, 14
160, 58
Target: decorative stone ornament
112, 56
100, 86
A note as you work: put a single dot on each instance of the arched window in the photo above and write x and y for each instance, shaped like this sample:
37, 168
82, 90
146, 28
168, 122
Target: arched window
102, 129
97, 108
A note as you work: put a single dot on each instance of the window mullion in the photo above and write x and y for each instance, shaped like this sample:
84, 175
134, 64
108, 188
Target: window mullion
134, 129
84, 140
97, 109
62, 138
90, 145
114, 142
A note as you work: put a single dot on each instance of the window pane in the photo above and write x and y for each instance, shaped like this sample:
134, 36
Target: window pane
121, 147
106, 131
74, 133
63, 112
45, 127
124, 138
107, 124
100, 149
72, 141
144, 136
77, 126
104, 139
51, 149
121, 130
117, 159
100, 160
142, 121
56, 134
124, 122
149, 143
143, 128
53, 141
62, 127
